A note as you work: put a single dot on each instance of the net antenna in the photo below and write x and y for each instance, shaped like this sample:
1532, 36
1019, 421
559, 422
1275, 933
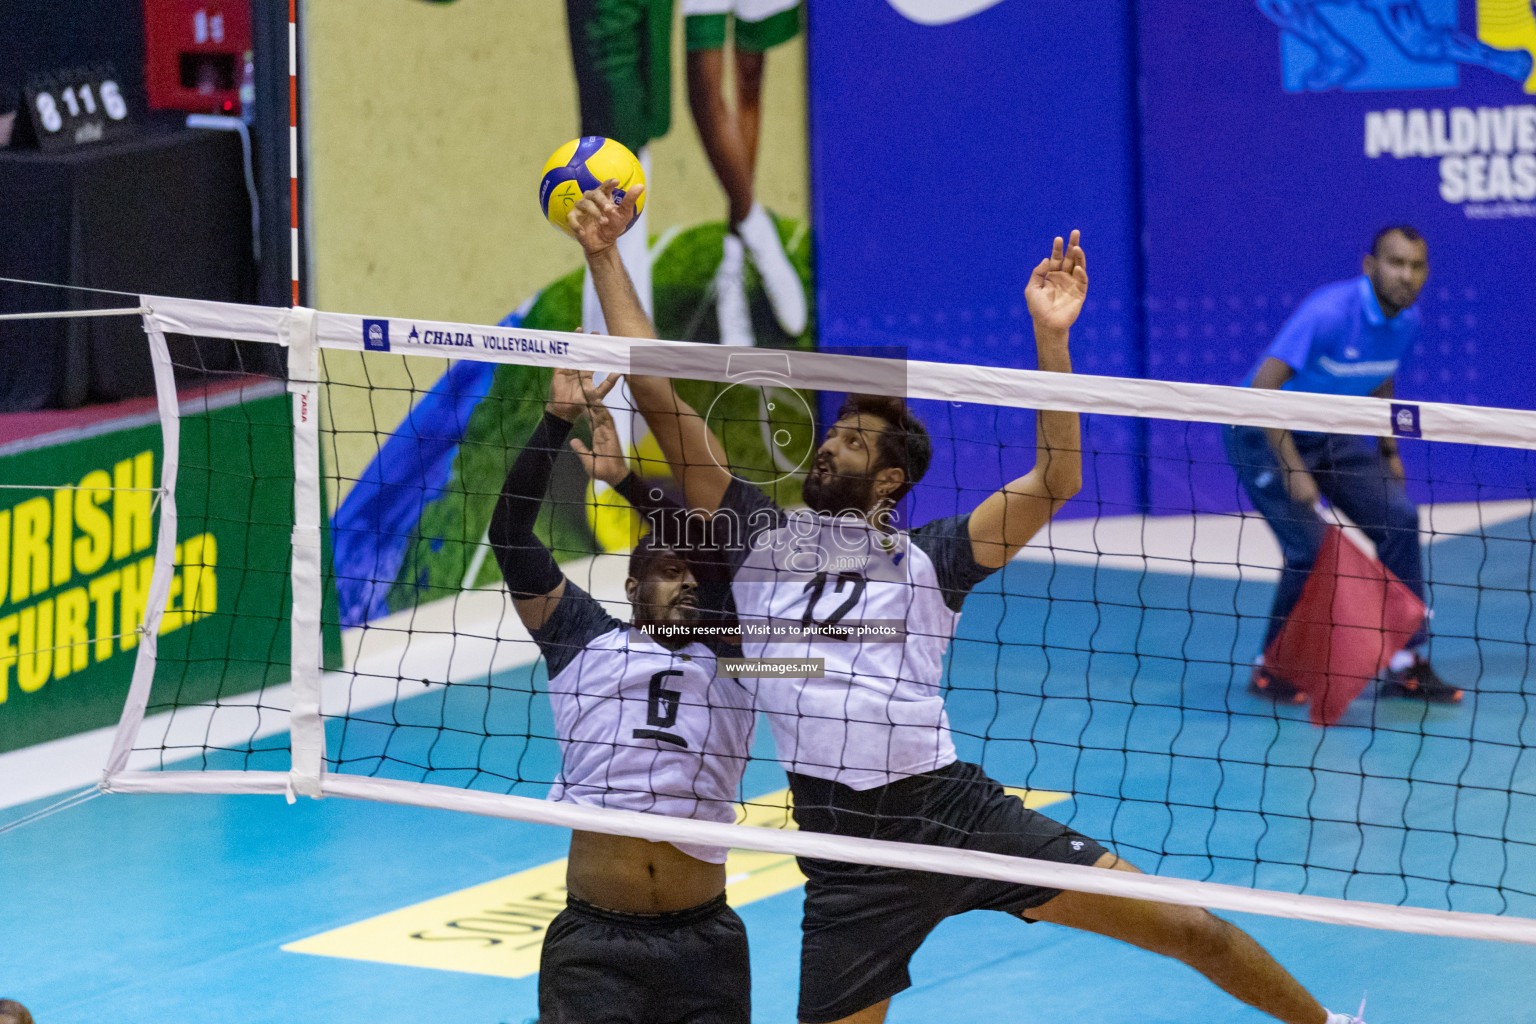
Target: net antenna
295, 149
414, 753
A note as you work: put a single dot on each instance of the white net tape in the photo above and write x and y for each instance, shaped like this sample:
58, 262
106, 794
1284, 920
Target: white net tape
311, 696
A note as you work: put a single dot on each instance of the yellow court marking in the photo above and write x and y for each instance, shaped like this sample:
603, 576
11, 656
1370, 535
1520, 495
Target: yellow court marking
497, 928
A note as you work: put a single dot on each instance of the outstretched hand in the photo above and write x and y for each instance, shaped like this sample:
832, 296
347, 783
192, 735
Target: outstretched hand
572, 393
1058, 286
597, 220
604, 461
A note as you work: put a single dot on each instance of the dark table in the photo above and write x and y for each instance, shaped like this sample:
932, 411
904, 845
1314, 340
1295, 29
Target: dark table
166, 212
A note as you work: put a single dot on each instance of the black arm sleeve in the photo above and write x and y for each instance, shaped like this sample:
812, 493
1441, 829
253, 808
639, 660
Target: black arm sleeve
746, 512
576, 621
948, 544
526, 565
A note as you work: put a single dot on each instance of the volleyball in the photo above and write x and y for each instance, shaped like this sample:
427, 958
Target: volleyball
581, 165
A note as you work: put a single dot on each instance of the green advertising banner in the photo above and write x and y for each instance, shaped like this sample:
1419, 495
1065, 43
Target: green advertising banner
77, 536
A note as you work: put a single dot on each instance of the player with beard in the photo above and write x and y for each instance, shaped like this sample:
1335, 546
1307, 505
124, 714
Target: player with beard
868, 746
644, 725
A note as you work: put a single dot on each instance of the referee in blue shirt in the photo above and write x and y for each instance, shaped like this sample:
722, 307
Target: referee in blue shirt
1346, 338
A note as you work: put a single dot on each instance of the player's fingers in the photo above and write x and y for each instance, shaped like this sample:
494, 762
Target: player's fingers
602, 419
585, 209
1037, 276
580, 449
609, 383
630, 200
607, 187
1056, 248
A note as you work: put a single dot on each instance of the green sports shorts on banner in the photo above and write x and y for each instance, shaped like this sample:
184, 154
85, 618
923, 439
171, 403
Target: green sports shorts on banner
760, 24
622, 54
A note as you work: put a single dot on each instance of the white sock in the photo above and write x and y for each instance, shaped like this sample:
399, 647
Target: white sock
1402, 660
731, 307
635, 247
635, 254
757, 227
622, 408
786, 293
1344, 1018
591, 310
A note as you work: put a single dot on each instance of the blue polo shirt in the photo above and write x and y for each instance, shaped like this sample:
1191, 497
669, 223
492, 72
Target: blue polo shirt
1340, 342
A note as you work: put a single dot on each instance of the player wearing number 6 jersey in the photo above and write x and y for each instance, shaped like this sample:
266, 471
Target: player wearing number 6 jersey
646, 725
868, 747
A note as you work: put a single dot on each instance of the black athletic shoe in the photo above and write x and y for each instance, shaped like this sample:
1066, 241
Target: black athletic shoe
1270, 686
1420, 682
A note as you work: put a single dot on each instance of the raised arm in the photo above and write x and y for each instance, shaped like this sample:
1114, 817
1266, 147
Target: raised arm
597, 222
692, 450
605, 461
1007, 519
690, 447
688, 532
535, 580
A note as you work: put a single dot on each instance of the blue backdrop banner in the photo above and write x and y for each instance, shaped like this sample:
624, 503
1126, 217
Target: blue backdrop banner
1279, 136
1223, 161
950, 141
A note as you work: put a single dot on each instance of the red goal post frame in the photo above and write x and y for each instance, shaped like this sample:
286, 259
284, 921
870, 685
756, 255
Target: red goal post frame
304, 332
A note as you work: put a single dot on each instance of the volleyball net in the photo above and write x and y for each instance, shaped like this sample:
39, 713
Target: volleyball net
1103, 673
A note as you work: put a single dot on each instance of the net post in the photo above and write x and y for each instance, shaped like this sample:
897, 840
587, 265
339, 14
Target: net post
165, 549
306, 728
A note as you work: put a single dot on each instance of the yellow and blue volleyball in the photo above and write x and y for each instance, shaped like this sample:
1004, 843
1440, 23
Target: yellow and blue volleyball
581, 165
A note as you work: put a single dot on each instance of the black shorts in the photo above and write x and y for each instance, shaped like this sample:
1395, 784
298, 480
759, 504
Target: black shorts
863, 923
687, 967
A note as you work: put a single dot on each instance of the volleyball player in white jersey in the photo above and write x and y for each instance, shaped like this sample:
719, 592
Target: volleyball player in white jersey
646, 725
868, 746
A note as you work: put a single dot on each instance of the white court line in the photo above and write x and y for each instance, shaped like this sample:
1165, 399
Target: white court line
1226, 546
477, 633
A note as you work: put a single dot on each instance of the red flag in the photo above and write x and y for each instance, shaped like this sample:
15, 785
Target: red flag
1352, 616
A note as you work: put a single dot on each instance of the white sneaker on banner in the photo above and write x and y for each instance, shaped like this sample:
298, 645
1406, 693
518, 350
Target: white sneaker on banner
1344, 1018
731, 295
785, 292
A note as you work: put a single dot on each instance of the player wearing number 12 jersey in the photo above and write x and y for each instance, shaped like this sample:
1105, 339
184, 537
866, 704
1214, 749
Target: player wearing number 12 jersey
644, 724
867, 745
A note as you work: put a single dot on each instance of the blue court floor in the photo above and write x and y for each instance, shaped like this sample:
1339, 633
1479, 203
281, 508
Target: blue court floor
175, 908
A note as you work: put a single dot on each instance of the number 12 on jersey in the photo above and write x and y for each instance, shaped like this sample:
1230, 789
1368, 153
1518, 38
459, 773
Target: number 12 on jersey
816, 587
